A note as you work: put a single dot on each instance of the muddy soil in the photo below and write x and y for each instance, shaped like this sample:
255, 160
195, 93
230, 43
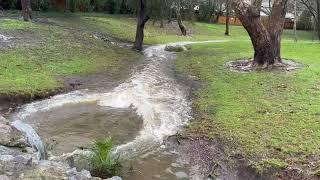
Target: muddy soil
247, 66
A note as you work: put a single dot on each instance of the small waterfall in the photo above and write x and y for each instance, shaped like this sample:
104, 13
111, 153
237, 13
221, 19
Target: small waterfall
33, 138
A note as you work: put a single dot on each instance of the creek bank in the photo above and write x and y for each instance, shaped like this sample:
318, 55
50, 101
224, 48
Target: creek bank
213, 159
101, 79
28, 38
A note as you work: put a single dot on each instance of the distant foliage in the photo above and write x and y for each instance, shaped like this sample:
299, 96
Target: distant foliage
108, 6
111, 6
41, 5
9, 4
38, 5
305, 21
99, 5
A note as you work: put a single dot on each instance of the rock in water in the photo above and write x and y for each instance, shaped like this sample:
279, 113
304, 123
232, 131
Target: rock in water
182, 175
4, 177
19, 161
13, 162
175, 48
56, 170
115, 178
10, 136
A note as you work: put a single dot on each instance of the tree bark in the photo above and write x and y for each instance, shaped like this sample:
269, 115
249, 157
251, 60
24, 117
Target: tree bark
179, 19
275, 26
26, 10
295, 22
266, 39
318, 18
227, 18
142, 20
161, 15
161, 22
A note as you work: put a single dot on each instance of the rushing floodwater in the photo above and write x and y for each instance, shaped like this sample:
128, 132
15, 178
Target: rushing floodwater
152, 93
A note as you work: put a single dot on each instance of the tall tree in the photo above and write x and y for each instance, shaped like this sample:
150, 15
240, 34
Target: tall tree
26, 10
141, 22
227, 17
295, 21
182, 27
265, 37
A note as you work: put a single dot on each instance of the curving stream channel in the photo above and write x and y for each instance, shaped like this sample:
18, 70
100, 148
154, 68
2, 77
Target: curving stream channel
139, 114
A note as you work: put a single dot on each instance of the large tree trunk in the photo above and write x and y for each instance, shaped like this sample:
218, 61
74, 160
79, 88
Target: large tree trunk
263, 52
276, 25
266, 39
179, 19
26, 10
142, 20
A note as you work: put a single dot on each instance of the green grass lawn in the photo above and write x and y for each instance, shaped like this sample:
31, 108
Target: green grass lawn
270, 118
46, 52
267, 117
124, 27
273, 119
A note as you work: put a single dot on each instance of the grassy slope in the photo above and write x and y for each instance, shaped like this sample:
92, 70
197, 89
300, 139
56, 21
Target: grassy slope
56, 51
271, 118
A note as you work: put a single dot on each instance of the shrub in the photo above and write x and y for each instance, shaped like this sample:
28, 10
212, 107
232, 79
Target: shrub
99, 5
102, 163
8, 4
305, 21
41, 5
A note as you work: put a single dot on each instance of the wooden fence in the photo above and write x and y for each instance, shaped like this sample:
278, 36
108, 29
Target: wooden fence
236, 21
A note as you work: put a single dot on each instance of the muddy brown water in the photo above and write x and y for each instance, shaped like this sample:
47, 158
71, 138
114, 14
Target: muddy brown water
139, 113
72, 126
158, 165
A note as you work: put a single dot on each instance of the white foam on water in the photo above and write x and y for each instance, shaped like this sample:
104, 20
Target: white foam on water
5, 38
153, 92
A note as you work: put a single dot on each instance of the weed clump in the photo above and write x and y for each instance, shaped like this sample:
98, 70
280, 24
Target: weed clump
102, 162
